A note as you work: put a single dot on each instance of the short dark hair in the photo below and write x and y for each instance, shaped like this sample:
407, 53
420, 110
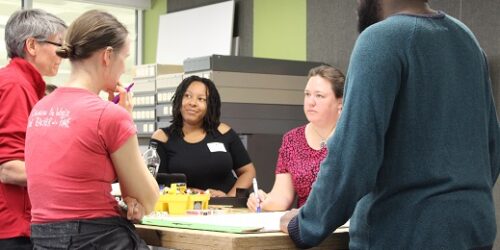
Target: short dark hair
211, 120
333, 75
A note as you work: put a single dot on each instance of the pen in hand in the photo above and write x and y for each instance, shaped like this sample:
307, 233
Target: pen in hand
123, 205
256, 192
116, 99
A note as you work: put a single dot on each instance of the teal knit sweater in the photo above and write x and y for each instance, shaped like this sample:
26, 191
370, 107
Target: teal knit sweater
416, 151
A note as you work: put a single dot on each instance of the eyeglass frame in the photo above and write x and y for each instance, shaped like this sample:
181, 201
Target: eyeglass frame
50, 42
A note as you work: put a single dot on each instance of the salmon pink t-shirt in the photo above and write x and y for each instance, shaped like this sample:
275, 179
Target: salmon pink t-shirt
70, 137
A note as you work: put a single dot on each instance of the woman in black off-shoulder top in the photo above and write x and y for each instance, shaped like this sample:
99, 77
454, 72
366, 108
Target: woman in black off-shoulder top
197, 144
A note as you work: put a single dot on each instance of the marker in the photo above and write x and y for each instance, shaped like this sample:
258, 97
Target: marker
123, 205
117, 97
255, 191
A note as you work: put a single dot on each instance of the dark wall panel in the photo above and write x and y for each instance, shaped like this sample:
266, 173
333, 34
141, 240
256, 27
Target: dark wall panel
482, 17
331, 31
244, 14
452, 8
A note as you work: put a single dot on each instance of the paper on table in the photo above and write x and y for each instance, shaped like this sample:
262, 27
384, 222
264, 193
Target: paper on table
235, 223
261, 222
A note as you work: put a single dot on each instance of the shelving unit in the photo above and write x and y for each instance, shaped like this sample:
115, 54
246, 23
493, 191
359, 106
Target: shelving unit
151, 107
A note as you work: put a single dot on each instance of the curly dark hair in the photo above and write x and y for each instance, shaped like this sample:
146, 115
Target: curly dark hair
211, 120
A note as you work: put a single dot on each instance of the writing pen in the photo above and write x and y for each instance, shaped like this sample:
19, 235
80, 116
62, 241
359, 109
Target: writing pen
256, 192
123, 205
116, 99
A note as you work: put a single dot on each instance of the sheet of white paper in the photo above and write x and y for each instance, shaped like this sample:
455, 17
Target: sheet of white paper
268, 221
115, 189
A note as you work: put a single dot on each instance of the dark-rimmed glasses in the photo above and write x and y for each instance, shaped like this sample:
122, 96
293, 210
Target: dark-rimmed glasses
50, 42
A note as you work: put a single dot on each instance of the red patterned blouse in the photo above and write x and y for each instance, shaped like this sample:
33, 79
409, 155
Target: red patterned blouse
301, 161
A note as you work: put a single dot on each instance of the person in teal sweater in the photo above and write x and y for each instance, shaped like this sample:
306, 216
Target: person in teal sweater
416, 150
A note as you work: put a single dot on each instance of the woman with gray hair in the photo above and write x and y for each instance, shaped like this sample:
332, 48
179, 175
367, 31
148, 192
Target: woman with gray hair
31, 37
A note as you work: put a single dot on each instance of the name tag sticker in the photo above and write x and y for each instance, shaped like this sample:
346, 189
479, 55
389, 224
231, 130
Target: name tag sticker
216, 147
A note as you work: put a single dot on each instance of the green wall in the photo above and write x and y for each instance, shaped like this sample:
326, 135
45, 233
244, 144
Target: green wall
150, 36
279, 29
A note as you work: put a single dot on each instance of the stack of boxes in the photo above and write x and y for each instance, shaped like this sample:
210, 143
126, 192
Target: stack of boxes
166, 85
258, 95
148, 93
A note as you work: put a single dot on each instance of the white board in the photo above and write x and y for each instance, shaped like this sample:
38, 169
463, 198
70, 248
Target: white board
196, 32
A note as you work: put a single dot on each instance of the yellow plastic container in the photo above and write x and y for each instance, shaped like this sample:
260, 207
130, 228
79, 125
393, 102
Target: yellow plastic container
198, 201
161, 205
177, 203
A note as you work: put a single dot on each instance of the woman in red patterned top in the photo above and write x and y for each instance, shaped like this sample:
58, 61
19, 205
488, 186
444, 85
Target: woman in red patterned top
303, 148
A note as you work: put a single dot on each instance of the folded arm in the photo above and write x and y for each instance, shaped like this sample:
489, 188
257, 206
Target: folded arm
133, 175
13, 172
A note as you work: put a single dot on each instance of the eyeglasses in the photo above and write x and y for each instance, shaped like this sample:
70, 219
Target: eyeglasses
50, 42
